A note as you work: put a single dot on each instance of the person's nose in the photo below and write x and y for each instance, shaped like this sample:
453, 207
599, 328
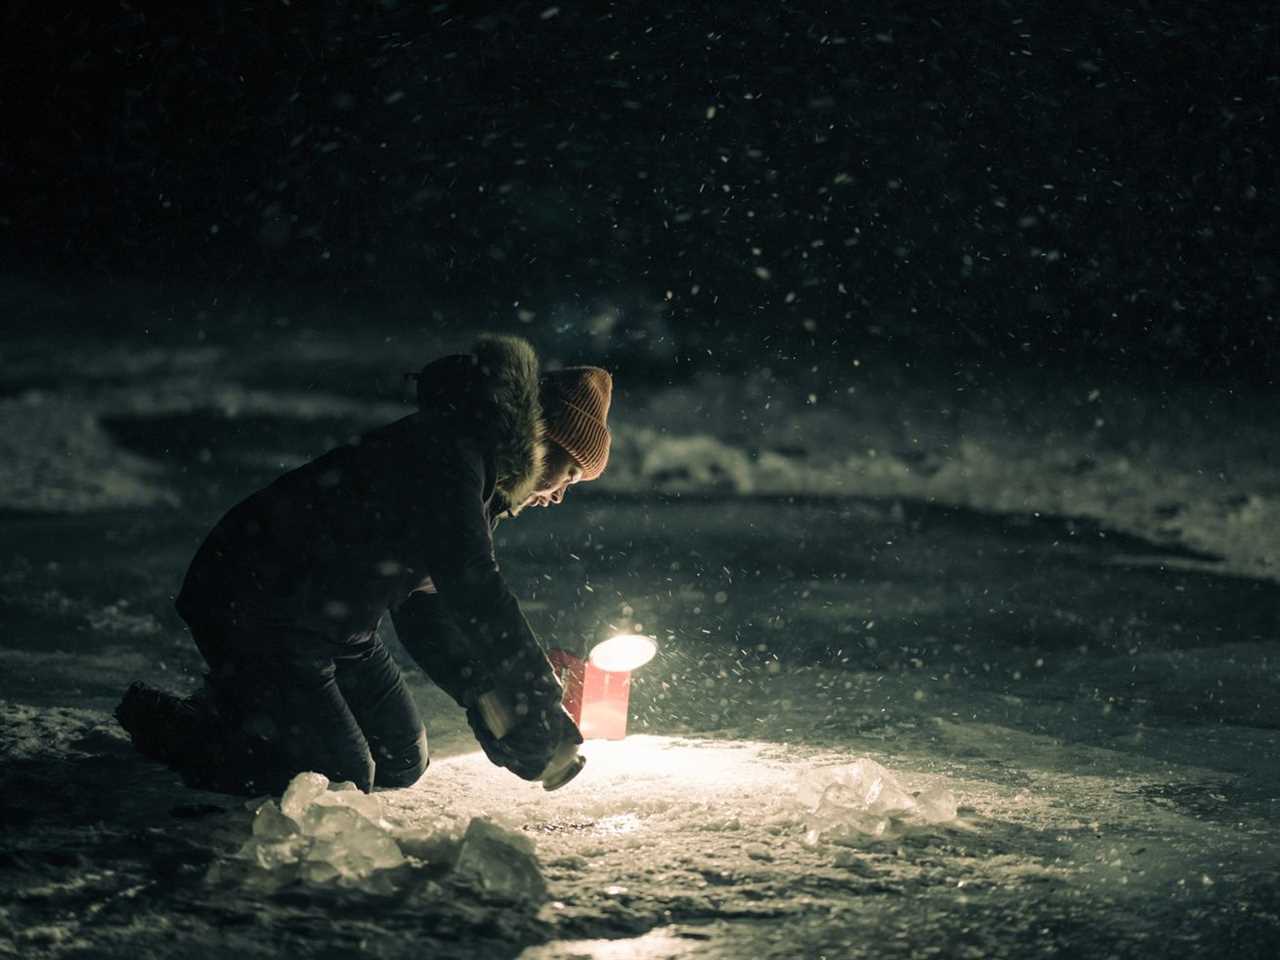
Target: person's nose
557, 495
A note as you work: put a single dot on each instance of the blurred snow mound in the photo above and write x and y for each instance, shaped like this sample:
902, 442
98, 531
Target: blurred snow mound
28, 732
116, 618
696, 462
327, 833
864, 800
54, 455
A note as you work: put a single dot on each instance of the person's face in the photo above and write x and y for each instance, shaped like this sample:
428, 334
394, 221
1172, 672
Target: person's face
559, 472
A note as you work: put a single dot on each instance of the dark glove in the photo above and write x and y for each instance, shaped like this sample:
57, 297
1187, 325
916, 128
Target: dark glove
528, 748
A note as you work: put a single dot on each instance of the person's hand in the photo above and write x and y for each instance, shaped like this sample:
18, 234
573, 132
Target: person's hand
529, 746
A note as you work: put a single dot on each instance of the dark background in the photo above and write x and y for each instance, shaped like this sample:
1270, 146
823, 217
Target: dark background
1007, 183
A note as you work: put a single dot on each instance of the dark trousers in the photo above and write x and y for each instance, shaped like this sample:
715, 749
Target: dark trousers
290, 703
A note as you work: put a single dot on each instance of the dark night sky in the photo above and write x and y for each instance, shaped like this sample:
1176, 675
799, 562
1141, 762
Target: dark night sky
1091, 183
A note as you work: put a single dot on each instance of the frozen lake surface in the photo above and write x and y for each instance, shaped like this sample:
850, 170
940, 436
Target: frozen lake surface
1076, 638
1111, 751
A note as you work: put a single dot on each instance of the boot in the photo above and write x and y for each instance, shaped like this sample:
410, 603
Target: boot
198, 738
230, 758
163, 726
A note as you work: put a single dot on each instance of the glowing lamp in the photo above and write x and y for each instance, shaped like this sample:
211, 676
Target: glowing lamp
623, 653
597, 690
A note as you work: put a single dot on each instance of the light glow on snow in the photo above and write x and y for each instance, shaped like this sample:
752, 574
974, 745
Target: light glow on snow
705, 765
640, 776
661, 944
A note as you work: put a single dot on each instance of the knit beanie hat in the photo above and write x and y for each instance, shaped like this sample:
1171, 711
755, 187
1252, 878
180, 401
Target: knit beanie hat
575, 403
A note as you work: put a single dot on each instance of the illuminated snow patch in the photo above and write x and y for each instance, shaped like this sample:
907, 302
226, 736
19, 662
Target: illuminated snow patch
639, 777
654, 945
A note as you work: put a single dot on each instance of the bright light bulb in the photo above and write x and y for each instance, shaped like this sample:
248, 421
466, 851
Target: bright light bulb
626, 651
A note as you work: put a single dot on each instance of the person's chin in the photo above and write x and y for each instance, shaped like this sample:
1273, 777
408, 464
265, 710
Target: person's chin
515, 511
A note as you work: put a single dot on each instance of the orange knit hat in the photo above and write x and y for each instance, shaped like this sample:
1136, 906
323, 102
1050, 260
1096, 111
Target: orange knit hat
575, 403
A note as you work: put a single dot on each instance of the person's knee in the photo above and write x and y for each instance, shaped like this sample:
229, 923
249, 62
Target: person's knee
349, 761
368, 771
404, 768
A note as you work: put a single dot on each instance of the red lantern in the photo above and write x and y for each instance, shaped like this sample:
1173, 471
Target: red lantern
597, 690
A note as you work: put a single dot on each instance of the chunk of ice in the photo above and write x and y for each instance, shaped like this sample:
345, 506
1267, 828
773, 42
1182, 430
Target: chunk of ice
270, 823
863, 786
359, 859
368, 849
308, 790
355, 844
323, 833
301, 793
851, 803
436, 844
323, 820
500, 862
937, 805
364, 804
275, 855
850, 830
319, 872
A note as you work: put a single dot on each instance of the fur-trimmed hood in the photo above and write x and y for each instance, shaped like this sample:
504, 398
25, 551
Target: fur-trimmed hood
497, 384
510, 370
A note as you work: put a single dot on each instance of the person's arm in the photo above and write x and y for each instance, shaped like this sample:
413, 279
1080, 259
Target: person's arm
465, 571
428, 631
474, 618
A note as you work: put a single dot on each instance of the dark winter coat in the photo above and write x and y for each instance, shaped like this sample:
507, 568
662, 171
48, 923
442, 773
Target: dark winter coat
319, 556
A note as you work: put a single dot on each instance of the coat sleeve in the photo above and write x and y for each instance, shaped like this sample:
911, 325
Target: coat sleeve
428, 631
465, 572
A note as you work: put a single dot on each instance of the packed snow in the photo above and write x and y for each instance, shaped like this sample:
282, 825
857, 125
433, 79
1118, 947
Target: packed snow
320, 832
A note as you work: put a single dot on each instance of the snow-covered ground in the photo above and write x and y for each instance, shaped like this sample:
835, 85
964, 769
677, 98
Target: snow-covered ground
1057, 604
690, 845
1191, 464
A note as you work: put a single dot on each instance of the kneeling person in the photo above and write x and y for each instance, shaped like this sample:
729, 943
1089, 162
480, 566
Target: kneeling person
284, 596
